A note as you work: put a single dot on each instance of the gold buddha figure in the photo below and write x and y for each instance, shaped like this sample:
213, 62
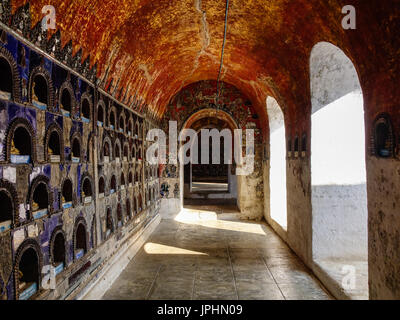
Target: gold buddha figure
14, 150
49, 151
34, 97
35, 206
62, 199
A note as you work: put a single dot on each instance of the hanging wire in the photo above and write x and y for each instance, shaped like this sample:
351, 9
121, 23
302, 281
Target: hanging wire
222, 53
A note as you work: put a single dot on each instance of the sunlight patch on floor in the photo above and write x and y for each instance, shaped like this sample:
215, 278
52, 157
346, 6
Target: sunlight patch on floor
156, 248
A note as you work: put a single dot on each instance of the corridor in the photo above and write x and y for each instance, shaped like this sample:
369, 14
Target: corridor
206, 253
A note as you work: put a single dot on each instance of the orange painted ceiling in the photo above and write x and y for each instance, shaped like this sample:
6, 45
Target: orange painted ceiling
156, 47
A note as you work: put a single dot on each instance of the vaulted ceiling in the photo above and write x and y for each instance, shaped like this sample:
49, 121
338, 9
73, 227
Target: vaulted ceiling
156, 47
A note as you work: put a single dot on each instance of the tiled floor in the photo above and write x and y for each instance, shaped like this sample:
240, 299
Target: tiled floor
207, 254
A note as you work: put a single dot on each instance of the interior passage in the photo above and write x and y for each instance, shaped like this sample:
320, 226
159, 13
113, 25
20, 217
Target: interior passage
207, 253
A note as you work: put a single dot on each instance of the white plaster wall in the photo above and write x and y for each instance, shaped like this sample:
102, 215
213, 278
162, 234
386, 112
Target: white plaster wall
338, 174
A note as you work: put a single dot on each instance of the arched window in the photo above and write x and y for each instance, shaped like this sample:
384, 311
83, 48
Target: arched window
57, 250
67, 192
101, 187
113, 185
76, 150
277, 173
6, 79
80, 241
85, 108
339, 222
86, 191
39, 92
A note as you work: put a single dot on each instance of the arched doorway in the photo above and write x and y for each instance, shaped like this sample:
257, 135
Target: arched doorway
338, 171
214, 182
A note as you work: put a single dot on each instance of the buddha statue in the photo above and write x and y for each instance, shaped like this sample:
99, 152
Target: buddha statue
14, 150
35, 206
49, 151
62, 199
34, 97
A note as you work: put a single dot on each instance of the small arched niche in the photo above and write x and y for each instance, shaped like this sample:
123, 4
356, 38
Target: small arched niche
113, 184
140, 204
117, 151
80, 240
128, 210
6, 79
40, 201
134, 152
304, 145
87, 193
296, 146
54, 150
27, 274
383, 141
135, 208
126, 152
40, 92
85, 109
122, 181
100, 114
67, 192
112, 120
106, 152
57, 250
109, 223
119, 215
130, 127
130, 178
21, 144
121, 124
7, 210
101, 187
137, 129
66, 102
76, 150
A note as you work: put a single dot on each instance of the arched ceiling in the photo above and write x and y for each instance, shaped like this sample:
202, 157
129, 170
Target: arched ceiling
156, 47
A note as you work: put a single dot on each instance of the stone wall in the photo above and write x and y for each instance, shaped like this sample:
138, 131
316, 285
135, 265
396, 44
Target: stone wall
72, 174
